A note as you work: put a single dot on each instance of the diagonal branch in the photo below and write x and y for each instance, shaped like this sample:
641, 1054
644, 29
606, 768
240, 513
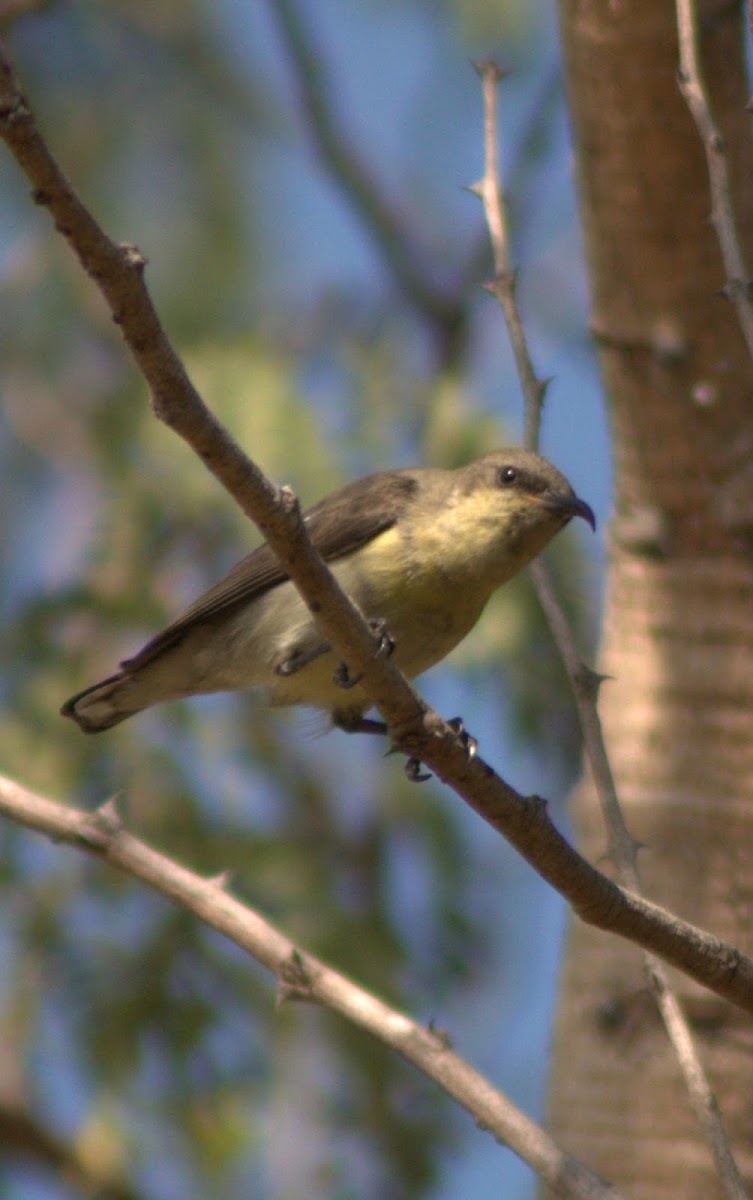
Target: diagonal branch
414, 727
303, 977
118, 271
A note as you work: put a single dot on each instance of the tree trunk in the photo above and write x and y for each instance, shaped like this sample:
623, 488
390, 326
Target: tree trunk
678, 640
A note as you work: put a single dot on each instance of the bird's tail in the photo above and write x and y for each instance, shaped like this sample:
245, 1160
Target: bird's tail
104, 704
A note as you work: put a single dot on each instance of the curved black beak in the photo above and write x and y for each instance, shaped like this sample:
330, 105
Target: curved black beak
570, 506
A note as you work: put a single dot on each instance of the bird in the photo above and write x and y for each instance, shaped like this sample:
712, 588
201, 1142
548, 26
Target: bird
419, 551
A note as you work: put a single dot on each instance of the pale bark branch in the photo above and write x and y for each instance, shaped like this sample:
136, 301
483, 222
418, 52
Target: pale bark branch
585, 683
301, 976
739, 284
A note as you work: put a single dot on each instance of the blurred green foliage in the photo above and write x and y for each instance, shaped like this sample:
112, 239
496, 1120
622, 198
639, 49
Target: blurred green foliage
126, 1028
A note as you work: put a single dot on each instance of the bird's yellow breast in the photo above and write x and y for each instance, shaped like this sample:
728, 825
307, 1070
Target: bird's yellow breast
417, 590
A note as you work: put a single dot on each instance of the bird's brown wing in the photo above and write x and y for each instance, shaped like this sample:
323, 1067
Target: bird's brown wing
337, 526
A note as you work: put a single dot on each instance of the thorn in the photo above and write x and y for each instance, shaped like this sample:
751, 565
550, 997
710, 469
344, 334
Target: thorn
590, 681
109, 814
618, 847
544, 385
503, 284
295, 981
221, 880
101, 827
440, 1034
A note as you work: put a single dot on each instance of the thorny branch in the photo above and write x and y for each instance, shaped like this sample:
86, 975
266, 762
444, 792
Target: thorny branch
118, 272
503, 286
739, 288
415, 729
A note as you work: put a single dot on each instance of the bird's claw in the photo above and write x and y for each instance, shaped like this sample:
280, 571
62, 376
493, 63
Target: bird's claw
342, 677
466, 739
413, 765
386, 643
413, 770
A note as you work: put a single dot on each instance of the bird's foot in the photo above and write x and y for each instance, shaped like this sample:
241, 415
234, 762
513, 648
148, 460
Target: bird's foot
414, 770
414, 766
342, 677
300, 659
358, 724
353, 723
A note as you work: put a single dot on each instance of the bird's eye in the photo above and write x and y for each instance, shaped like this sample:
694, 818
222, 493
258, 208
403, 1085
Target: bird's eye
507, 475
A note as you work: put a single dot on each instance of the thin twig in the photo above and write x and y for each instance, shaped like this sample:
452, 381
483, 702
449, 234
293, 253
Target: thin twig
503, 286
585, 684
415, 728
739, 285
303, 977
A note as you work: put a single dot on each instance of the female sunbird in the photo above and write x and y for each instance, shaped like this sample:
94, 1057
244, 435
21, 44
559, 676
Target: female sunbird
419, 551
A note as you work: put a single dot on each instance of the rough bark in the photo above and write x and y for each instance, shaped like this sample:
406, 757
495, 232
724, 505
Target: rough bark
678, 637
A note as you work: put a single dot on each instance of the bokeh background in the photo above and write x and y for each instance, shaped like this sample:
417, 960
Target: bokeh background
296, 174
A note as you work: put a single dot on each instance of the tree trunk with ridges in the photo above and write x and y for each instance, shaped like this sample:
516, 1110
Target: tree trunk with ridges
678, 639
